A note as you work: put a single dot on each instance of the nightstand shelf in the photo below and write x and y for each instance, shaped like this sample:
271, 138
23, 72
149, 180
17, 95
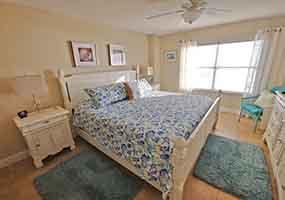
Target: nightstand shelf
46, 133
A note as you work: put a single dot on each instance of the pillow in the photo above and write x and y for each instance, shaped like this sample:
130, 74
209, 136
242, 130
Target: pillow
129, 91
265, 99
134, 89
106, 95
139, 89
144, 88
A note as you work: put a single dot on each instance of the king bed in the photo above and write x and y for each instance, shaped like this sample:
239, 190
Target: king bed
158, 137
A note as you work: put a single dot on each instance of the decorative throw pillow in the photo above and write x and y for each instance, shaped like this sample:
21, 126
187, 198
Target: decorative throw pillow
129, 91
106, 95
134, 89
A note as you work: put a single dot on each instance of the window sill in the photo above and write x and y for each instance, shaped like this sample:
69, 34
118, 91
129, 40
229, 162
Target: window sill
223, 91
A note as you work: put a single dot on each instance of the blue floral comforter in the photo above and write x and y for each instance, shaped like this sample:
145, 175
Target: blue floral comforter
140, 130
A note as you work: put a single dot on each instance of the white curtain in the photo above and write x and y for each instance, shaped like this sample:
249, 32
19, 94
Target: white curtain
186, 70
265, 56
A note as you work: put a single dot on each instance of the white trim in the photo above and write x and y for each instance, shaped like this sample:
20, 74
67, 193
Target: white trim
215, 91
229, 110
14, 158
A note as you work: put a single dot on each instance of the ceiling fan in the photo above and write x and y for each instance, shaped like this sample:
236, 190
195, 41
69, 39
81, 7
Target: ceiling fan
191, 11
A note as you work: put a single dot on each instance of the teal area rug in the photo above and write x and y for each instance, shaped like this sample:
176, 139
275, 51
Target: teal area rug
88, 176
235, 167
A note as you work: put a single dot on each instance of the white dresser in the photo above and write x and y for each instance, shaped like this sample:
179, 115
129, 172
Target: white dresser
275, 139
46, 133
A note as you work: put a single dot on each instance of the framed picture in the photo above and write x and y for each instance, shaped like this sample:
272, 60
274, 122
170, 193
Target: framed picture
171, 56
117, 55
84, 53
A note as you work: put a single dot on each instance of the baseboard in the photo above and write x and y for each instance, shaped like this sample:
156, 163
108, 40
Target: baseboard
229, 110
13, 159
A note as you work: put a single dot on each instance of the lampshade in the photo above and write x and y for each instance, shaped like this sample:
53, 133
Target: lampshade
149, 71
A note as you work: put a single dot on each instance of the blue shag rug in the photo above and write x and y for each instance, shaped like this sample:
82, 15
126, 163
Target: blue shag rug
235, 167
88, 176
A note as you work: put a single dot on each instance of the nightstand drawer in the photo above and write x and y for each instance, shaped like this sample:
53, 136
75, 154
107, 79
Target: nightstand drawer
43, 124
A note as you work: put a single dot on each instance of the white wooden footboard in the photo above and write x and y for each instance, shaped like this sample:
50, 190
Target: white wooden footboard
187, 152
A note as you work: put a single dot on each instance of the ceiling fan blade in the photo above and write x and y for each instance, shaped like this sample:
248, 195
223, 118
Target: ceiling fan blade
165, 14
218, 10
198, 3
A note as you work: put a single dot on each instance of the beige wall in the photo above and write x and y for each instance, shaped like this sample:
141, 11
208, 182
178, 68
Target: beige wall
154, 55
35, 41
223, 33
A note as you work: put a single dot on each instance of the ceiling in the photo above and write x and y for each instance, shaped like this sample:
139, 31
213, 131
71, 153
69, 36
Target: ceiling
130, 14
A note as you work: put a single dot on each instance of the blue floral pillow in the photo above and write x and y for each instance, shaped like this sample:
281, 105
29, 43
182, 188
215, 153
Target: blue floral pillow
106, 95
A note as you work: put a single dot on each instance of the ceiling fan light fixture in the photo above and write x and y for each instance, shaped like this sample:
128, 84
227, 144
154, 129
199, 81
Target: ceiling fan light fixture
191, 16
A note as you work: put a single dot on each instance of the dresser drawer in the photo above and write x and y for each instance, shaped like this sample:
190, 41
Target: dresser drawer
277, 152
278, 111
273, 131
281, 173
281, 135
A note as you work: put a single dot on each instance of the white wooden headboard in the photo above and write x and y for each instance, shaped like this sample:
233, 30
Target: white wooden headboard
72, 85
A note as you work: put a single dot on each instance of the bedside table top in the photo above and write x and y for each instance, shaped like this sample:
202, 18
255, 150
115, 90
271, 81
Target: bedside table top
42, 115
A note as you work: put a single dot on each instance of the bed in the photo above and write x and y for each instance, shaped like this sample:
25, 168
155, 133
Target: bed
158, 138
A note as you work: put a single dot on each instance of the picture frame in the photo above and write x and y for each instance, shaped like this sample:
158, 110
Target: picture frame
171, 56
84, 53
117, 55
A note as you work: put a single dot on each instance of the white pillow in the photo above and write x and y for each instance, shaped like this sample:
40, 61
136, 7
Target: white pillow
265, 99
140, 88
145, 88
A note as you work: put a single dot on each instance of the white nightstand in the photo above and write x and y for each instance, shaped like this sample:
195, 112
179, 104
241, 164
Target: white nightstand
155, 86
46, 132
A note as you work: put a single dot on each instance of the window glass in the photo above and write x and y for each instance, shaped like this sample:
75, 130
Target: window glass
235, 54
203, 78
204, 56
229, 79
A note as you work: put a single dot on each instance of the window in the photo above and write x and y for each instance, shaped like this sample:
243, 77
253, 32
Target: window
221, 66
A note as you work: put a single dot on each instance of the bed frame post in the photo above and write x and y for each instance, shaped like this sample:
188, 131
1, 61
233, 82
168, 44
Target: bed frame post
219, 98
179, 154
64, 91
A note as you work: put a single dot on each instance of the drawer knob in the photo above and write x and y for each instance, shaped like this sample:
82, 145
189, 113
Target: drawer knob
283, 187
46, 122
38, 145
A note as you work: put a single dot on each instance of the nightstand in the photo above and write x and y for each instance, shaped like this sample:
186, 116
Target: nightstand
155, 86
46, 133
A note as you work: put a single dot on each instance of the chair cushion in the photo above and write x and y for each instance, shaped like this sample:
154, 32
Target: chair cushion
252, 109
